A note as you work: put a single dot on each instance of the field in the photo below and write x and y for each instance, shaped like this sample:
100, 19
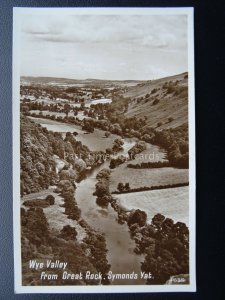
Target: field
55, 213
172, 203
146, 177
95, 141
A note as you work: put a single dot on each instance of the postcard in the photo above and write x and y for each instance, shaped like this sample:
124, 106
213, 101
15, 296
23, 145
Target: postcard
103, 150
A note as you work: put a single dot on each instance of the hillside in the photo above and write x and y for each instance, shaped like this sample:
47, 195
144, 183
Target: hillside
163, 101
38, 147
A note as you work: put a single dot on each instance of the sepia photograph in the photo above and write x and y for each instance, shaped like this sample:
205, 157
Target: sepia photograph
103, 150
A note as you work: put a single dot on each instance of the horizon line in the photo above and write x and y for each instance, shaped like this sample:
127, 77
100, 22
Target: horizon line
99, 79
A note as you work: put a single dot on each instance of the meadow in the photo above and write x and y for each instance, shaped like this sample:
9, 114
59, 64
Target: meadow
95, 141
55, 215
146, 177
172, 203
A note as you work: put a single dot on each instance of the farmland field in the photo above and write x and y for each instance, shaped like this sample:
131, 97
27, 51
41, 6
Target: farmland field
57, 219
147, 177
172, 203
95, 141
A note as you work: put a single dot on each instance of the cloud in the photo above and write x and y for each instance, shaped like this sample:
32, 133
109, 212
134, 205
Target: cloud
84, 46
148, 31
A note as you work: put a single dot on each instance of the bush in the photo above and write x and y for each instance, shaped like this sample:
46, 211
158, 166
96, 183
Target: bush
50, 199
171, 89
153, 91
156, 101
170, 119
107, 134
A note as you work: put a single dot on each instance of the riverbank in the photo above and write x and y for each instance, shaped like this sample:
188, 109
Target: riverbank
95, 141
118, 241
162, 239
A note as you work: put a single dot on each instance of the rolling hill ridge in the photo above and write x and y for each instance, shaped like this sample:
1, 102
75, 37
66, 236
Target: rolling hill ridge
163, 102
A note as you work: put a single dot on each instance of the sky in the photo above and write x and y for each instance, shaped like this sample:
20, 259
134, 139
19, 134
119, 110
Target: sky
119, 47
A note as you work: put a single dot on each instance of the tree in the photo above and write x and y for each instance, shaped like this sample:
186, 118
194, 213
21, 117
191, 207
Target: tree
146, 137
120, 187
103, 174
50, 199
103, 201
170, 254
102, 189
116, 129
112, 164
138, 216
82, 106
117, 145
68, 233
157, 221
127, 186
66, 109
109, 151
107, 134
88, 127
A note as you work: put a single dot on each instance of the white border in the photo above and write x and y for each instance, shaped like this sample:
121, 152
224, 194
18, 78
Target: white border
18, 13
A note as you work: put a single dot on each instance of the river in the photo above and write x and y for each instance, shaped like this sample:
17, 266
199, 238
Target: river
119, 244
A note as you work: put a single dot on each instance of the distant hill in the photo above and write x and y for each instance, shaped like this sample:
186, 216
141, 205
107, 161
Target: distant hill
163, 100
83, 82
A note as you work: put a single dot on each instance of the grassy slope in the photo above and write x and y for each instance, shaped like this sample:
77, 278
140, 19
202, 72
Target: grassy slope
170, 105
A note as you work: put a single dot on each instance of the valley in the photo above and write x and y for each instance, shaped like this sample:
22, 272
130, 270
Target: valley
78, 138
